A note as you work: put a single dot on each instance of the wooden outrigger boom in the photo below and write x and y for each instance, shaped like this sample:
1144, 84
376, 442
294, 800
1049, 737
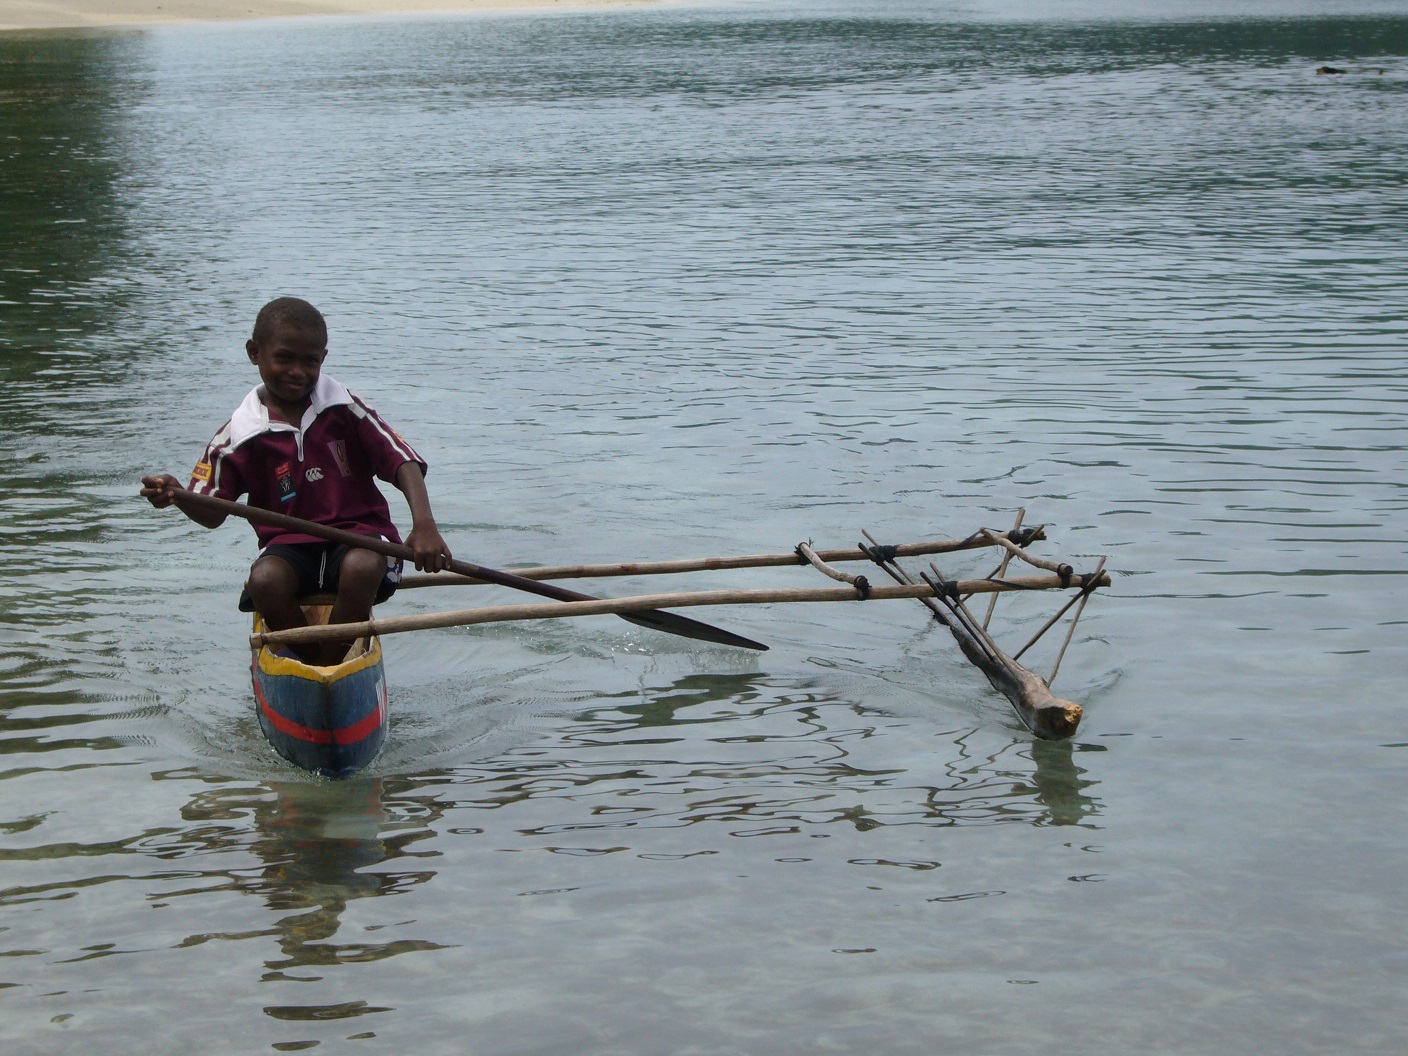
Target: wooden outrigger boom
639, 603
1021, 537
1045, 714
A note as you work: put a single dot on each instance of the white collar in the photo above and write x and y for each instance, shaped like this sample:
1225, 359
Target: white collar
251, 417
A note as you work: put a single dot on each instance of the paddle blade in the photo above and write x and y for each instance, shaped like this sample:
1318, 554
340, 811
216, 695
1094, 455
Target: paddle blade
671, 623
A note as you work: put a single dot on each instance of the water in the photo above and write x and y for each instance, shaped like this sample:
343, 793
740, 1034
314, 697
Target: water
685, 281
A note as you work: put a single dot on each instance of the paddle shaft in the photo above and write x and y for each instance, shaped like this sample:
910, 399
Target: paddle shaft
659, 621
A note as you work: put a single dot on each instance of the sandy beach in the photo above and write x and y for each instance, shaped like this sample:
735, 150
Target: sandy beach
66, 14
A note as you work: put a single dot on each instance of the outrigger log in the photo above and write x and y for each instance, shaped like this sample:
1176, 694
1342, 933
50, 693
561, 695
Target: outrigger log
1045, 714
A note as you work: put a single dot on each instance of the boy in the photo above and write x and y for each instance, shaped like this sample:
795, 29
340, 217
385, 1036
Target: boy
301, 444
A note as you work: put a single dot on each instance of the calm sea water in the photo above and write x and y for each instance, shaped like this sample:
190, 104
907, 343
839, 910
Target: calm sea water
683, 281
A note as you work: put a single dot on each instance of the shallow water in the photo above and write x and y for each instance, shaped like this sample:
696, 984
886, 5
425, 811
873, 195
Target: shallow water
714, 280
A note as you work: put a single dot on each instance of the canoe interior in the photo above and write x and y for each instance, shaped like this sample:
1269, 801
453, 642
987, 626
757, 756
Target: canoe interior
327, 720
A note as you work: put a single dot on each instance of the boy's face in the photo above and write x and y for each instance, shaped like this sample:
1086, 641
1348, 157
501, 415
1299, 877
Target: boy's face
289, 361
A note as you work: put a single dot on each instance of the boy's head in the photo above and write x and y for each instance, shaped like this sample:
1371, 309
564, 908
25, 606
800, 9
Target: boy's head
287, 311
289, 345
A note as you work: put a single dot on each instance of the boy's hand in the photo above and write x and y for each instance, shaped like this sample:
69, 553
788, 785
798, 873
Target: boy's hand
432, 553
159, 490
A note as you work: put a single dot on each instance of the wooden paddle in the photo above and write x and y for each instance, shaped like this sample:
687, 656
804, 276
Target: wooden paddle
668, 622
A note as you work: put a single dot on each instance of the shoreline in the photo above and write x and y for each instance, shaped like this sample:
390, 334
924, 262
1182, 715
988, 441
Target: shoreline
21, 16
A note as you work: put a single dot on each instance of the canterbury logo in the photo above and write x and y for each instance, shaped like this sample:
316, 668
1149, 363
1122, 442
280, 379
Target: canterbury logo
313, 474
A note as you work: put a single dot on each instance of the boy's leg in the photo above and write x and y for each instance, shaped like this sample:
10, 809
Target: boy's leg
273, 586
279, 577
358, 580
359, 577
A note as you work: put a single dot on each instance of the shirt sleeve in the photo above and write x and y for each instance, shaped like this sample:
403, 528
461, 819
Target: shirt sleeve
217, 473
386, 448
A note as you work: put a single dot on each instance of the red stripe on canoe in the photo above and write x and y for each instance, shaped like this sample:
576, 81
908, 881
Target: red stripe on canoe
358, 731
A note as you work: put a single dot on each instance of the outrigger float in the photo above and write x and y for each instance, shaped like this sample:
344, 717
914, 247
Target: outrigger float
333, 720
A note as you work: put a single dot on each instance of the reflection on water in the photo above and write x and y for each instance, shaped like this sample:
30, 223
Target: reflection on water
1060, 783
64, 226
791, 766
750, 755
320, 844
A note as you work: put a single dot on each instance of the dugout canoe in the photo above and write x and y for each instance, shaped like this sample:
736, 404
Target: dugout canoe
328, 720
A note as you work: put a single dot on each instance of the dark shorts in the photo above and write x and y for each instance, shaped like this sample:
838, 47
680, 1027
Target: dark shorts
317, 566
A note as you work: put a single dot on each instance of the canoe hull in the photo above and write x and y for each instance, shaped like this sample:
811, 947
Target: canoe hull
328, 720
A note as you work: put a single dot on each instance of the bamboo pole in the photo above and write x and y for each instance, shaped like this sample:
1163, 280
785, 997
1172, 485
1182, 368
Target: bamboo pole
1084, 596
975, 541
1002, 567
1081, 596
638, 603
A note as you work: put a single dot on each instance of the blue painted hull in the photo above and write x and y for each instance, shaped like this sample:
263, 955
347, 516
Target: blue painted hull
328, 720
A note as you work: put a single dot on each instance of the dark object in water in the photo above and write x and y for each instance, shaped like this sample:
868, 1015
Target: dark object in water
1328, 69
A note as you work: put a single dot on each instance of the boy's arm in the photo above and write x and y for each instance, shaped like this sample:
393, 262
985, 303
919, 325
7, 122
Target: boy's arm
432, 554
158, 490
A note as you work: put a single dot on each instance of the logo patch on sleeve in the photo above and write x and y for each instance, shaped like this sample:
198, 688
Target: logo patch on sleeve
201, 472
339, 455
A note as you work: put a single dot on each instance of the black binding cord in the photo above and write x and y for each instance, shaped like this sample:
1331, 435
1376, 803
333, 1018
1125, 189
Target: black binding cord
1025, 536
879, 554
942, 588
862, 586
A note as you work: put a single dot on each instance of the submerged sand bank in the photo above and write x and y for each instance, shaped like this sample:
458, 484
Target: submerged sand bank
68, 14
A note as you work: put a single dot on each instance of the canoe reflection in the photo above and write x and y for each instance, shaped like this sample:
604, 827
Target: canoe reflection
322, 845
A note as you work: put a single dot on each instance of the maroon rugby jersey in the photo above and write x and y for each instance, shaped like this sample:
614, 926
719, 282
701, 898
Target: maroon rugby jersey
320, 471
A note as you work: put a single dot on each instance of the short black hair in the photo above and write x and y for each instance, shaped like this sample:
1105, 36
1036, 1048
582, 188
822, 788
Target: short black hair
287, 311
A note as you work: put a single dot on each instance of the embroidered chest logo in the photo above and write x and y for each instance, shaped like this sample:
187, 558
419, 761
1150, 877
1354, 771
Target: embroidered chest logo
313, 475
284, 473
339, 454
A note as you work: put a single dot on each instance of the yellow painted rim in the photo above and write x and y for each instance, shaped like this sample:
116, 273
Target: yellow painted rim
271, 664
